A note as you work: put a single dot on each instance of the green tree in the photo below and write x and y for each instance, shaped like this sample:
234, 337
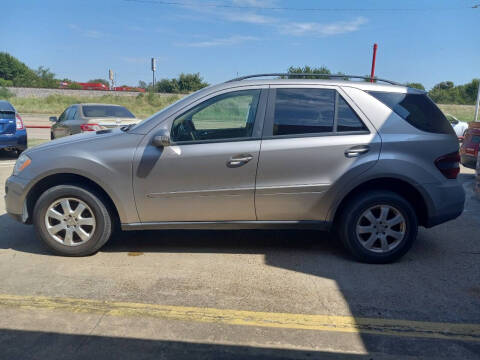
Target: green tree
185, 83
46, 78
415, 85
322, 70
102, 81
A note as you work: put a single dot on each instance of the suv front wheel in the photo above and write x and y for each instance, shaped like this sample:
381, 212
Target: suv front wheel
72, 220
378, 226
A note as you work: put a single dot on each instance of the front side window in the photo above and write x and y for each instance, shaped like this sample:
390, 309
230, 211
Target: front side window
227, 116
304, 111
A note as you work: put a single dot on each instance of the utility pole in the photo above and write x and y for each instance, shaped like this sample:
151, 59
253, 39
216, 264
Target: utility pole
477, 103
154, 67
111, 76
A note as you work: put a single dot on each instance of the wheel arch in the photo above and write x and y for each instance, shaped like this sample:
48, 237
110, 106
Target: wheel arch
68, 179
396, 185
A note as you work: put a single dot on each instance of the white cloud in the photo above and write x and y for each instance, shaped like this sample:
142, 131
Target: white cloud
255, 3
250, 18
232, 40
321, 29
94, 34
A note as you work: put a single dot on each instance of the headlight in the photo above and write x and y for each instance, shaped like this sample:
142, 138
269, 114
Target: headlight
22, 162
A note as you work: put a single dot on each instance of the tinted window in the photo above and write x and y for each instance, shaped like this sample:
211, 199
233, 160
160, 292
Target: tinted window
62, 117
72, 112
417, 109
7, 115
106, 111
347, 120
227, 116
304, 111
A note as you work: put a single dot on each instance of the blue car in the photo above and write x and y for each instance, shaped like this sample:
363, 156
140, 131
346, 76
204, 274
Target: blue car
13, 135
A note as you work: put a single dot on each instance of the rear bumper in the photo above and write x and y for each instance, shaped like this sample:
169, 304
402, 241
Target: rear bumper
17, 140
468, 161
447, 202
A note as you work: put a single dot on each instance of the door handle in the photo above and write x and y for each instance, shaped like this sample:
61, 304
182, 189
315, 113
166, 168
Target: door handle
357, 151
239, 160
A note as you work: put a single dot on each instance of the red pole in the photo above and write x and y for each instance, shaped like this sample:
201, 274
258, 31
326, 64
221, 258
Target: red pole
372, 75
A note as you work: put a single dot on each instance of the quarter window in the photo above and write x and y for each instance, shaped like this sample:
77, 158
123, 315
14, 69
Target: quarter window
304, 111
227, 116
347, 120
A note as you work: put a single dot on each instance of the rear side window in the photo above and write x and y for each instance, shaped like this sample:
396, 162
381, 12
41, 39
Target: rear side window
417, 109
304, 111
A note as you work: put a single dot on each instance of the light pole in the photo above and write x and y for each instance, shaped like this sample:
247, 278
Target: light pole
154, 67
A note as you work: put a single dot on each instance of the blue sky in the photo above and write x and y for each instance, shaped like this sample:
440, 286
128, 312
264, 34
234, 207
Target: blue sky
427, 41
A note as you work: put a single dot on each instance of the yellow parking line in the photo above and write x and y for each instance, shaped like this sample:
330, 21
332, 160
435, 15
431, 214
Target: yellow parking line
349, 324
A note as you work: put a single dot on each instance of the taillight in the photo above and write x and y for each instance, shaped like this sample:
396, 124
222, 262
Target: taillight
19, 122
90, 127
449, 165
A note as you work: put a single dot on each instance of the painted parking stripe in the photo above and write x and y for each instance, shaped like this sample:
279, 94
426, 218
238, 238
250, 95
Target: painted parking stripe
349, 324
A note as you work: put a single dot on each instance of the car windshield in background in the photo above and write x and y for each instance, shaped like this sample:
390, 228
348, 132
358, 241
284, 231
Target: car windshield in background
417, 109
106, 111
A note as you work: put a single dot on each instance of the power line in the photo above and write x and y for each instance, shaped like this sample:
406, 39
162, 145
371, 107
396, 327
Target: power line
251, 7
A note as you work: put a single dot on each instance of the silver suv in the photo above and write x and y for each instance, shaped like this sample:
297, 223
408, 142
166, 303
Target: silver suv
370, 161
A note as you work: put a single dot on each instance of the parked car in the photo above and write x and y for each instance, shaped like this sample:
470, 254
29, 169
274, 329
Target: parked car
469, 148
90, 117
13, 135
369, 161
460, 127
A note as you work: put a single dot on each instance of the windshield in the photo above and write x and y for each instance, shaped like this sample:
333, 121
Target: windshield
159, 113
106, 111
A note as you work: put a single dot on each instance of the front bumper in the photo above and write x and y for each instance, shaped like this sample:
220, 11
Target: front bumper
447, 202
15, 198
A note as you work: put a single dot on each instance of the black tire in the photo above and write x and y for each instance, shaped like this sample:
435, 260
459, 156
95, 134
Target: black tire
103, 219
351, 213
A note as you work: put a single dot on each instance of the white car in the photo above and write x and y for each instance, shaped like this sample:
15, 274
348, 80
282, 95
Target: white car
460, 127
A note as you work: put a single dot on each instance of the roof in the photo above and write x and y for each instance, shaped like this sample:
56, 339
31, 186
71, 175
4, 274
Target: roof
6, 106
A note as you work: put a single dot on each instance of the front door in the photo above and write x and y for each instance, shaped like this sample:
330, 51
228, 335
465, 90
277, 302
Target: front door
208, 173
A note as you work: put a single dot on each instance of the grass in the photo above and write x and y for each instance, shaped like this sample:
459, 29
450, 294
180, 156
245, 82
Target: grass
145, 105
142, 105
461, 112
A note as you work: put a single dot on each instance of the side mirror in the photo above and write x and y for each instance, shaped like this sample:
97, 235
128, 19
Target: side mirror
162, 139
53, 119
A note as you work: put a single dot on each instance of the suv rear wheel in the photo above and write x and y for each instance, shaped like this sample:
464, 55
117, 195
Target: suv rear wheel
72, 220
378, 226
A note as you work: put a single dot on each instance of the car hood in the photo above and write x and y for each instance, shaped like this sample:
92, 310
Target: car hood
74, 139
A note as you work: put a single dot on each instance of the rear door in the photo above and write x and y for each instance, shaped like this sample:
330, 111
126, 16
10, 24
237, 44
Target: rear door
312, 137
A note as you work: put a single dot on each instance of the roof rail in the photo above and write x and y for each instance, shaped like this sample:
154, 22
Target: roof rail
336, 76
